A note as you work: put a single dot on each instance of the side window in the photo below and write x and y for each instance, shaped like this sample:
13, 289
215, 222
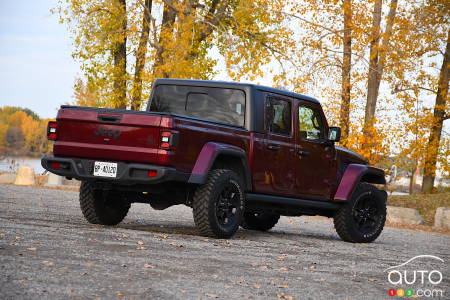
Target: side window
278, 116
310, 124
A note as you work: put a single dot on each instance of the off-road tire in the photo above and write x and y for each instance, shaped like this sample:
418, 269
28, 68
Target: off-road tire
345, 217
259, 221
206, 203
102, 208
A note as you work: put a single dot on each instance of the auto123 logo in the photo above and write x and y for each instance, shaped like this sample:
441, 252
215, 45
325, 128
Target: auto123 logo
415, 278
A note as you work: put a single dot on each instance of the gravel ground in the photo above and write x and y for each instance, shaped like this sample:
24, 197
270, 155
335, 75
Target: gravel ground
48, 251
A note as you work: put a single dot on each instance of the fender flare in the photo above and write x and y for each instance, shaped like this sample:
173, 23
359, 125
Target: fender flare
207, 157
354, 174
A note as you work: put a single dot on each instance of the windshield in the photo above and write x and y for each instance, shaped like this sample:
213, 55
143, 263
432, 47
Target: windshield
226, 106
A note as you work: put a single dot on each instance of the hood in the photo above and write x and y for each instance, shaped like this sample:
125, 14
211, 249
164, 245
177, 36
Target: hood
348, 156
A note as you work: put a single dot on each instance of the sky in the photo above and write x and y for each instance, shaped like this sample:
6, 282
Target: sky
36, 67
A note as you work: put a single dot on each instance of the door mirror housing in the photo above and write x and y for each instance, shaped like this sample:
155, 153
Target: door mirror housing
334, 134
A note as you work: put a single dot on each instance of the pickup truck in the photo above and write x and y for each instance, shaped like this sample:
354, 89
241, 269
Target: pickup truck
237, 154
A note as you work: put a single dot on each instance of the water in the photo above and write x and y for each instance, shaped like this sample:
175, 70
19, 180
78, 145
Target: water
12, 164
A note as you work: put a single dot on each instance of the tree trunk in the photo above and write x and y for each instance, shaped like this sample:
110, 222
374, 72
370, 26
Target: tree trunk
376, 62
141, 52
120, 62
412, 178
439, 117
168, 20
344, 117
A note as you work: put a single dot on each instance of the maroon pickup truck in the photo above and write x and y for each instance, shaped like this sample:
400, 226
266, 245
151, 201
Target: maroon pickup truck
238, 154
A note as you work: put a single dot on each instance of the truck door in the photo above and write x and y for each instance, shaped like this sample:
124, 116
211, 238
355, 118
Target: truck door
315, 164
276, 175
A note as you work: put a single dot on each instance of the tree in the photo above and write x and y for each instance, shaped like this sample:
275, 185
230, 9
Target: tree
377, 60
246, 33
344, 117
141, 55
439, 116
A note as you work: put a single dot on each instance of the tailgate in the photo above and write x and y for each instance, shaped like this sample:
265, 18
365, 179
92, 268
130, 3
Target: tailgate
108, 134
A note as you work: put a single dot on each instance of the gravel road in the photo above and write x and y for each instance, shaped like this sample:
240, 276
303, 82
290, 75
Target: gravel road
48, 251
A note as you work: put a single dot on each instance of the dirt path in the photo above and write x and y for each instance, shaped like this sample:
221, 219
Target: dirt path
48, 251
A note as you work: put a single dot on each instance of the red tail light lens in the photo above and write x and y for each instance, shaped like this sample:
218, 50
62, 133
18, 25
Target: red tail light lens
169, 140
55, 165
152, 173
52, 130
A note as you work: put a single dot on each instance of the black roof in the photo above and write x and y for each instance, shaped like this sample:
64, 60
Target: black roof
228, 84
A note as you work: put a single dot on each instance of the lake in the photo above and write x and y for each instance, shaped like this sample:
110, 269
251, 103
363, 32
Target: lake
12, 164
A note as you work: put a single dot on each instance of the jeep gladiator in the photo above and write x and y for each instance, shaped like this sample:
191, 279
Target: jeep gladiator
237, 154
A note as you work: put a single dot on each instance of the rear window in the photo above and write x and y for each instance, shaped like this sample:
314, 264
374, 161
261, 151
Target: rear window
220, 105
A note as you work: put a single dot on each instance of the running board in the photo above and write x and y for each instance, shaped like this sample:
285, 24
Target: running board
292, 201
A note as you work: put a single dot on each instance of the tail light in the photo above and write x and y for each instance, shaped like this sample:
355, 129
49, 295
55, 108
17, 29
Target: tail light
169, 140
52, 130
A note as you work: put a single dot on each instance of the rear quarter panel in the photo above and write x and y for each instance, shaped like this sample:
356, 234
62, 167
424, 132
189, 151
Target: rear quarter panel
194, 134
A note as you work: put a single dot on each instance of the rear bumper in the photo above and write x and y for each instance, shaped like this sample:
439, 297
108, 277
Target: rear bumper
127, 173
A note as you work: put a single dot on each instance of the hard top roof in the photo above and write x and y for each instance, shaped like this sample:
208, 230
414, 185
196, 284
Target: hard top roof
228, 84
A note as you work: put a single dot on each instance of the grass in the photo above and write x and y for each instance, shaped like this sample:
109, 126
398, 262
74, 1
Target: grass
426, 204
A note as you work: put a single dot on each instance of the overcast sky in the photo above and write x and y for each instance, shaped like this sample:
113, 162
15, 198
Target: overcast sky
36, 67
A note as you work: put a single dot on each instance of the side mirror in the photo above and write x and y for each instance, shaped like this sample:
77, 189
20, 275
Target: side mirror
334, 134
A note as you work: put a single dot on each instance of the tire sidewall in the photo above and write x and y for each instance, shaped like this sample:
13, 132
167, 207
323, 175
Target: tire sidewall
222, 181
372, 192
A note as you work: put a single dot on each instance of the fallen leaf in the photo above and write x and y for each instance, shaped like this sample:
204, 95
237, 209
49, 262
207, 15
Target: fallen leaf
256, 286
32, 249
120, 294
312, 267
283, 286
282, 269
47, 263
147, 266
263, 268
281, 258
372, 279
141, 248
205, 240
212, 295
282, 296
140, 242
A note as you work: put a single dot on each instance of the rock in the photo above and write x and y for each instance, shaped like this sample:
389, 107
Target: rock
54, 179
403, 215
7, 178
25, 176
442, 217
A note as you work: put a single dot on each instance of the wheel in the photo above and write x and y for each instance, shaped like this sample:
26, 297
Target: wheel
102, 207
218, 205
362, 219
259, 221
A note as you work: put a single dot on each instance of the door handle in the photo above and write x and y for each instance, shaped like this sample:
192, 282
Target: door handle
273, 147
303, 153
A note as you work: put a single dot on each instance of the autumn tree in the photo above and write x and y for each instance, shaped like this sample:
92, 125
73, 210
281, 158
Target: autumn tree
246, 33
421, 48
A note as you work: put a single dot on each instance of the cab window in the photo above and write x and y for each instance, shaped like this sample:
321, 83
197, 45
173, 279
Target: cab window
310, 124
278, 116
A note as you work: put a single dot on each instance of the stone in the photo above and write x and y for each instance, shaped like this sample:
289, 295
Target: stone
442, 217
25, 176
54, 180
403, 215
7, 177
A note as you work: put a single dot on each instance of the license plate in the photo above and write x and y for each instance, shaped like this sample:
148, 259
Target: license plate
105, 169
